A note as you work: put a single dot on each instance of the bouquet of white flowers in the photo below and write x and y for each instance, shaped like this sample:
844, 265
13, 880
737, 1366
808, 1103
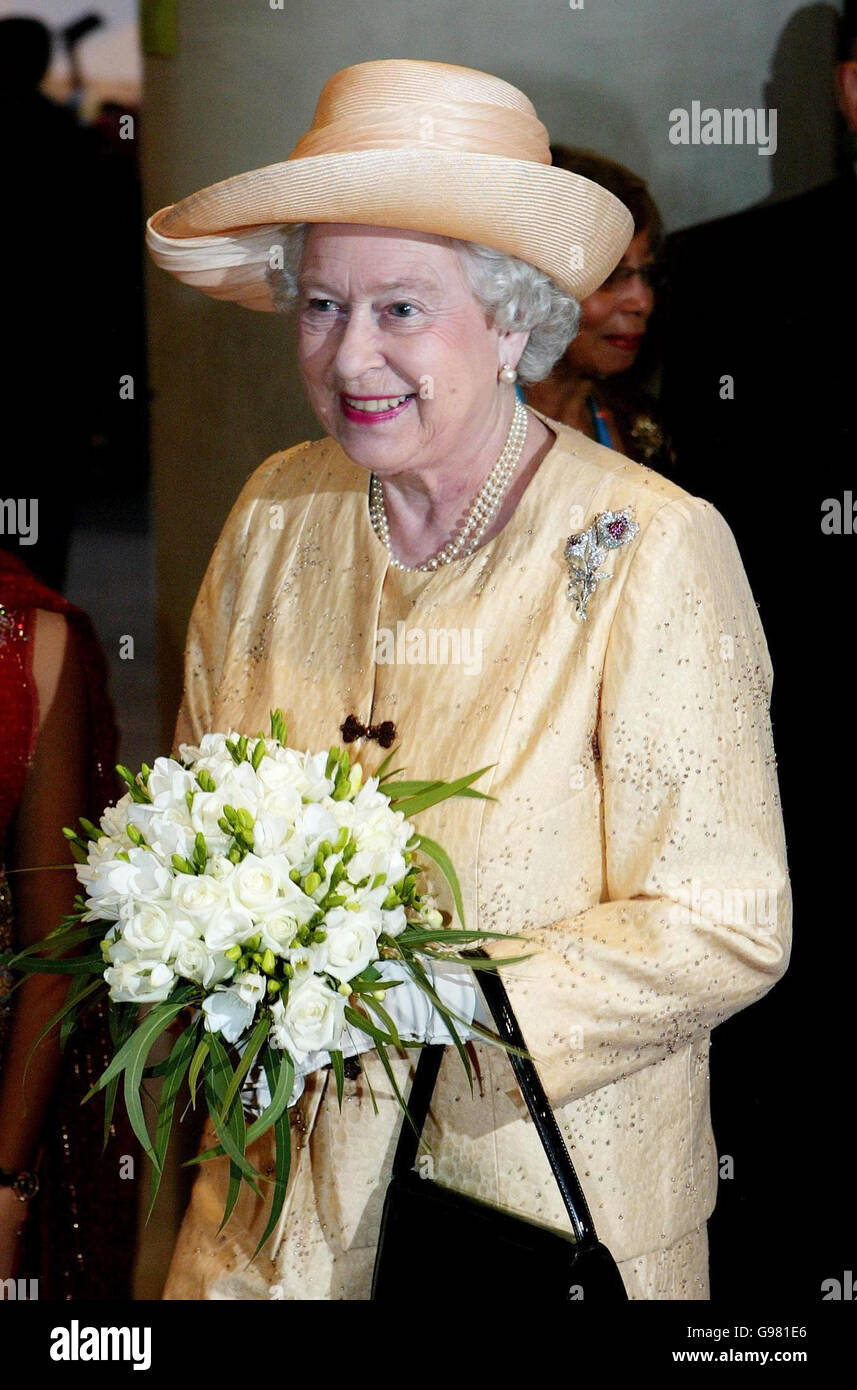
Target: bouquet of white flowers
268, 899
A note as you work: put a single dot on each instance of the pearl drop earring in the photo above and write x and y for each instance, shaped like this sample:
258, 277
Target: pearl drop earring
508, 374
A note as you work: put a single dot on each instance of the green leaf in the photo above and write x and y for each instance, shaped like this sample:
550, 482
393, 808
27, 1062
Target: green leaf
366, 1025
73, 965
412, 805
121, 1023
163, 1014
232, 1132
385, 1062
257, 1038
396, 790
282, 1142
78, 991
338, 1067
381, 769
70, 1006
417, 936
57, 942
444, 863
142, 1041
385, 1018
422, 979
193, 1074
179, 1061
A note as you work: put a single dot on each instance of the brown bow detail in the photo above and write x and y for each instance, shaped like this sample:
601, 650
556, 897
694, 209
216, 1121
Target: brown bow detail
384, 733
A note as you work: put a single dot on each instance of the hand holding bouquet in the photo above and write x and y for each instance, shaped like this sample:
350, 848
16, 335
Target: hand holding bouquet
273, 896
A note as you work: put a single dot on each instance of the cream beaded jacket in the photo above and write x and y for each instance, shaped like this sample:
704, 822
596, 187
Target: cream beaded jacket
635, 837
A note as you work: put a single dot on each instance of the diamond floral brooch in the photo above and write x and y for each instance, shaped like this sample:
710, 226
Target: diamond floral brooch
586, 551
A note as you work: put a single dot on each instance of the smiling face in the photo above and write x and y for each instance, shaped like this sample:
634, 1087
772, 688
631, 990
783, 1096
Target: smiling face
614, 318
399, 360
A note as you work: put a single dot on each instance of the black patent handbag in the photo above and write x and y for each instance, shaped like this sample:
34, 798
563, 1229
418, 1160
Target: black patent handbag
432, 1237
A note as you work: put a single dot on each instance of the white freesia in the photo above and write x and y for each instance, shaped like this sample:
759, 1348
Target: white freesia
205, 815
308, 960
251, 986
169, 781
369, 863
108, 881
227, 1013
139, 981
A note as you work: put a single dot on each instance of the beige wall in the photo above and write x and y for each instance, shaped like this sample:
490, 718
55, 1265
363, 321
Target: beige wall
242, 88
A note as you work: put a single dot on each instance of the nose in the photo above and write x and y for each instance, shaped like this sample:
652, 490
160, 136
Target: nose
639, 296
358, 351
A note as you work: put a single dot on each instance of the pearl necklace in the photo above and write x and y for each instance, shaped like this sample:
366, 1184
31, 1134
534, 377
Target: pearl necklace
481, 513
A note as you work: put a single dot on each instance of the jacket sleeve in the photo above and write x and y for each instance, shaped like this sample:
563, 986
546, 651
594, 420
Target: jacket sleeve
212, 615
696, 918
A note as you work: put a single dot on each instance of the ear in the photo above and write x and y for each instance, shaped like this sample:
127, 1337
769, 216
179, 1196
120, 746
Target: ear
510, 347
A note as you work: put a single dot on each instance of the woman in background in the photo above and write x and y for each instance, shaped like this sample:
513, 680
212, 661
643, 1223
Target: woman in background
67, 1217
597, 385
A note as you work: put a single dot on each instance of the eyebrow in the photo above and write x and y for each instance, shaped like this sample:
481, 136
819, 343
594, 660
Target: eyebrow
408, 286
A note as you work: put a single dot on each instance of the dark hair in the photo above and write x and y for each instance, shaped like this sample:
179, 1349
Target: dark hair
25, 52
628, 187
846, 47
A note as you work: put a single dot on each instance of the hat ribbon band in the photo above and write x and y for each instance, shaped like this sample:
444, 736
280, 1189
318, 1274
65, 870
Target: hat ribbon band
472, 126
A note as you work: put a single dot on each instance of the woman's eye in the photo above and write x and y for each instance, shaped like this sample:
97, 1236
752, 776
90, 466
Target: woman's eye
403, 310
320, 306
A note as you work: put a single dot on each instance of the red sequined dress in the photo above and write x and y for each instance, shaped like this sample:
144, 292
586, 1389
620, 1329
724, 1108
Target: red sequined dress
83, 1230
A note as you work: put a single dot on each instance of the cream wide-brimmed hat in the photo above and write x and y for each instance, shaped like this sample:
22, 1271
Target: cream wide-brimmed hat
426, 147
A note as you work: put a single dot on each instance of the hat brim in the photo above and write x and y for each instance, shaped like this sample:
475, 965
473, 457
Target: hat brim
219, 239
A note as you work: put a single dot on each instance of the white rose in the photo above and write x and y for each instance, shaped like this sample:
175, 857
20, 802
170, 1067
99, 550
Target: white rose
227, 1013
256, 884
352, 941
153, 932
229, 927
200, 897
139, 981
194, 961
314, 1016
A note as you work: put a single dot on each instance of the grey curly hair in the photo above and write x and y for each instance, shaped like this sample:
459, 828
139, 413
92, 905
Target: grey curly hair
517, 296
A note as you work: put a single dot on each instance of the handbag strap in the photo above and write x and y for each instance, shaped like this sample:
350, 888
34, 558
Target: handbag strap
422, 1089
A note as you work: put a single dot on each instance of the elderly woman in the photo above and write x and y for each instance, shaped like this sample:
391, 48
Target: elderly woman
620, 695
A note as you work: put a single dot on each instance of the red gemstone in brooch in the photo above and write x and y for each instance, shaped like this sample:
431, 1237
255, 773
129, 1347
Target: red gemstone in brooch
586, 551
